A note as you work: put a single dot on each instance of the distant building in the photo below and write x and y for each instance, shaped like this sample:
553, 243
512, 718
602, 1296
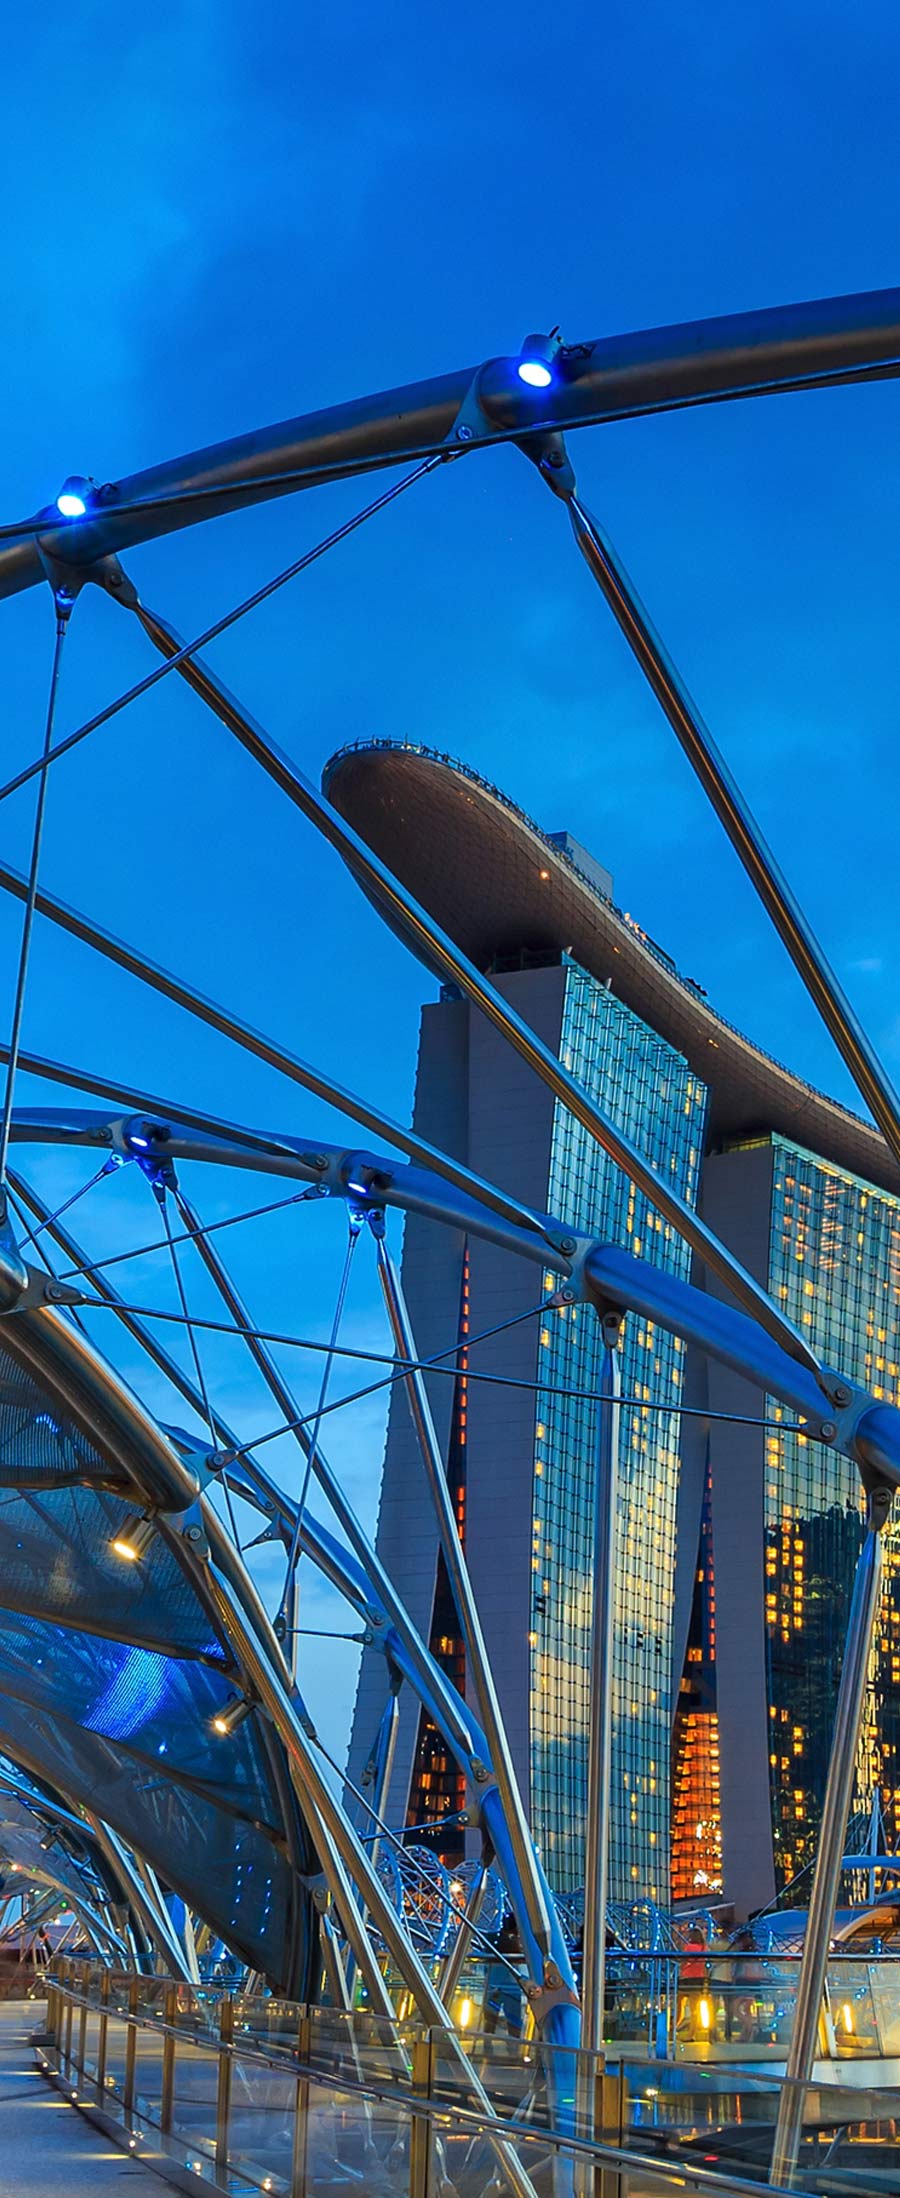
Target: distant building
736, 1542
826, 1244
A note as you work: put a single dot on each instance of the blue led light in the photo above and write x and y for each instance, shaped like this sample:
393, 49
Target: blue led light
143, 1143
132, 1696
74, 496
535, 372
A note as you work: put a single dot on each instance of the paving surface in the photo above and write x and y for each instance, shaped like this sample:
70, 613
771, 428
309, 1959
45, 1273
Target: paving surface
47, 2149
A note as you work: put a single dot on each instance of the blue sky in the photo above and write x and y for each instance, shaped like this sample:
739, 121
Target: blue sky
225, 216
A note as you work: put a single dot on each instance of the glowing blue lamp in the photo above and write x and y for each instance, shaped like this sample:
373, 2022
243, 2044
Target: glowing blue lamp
72, 501
535, 364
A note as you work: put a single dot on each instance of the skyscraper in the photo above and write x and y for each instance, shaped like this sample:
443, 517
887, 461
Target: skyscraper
521, 1464
826, 1244
651, 1093
725, 1680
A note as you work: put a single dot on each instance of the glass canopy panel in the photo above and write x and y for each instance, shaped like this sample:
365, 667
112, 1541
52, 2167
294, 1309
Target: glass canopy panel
22, 1841
110, 1675
225, 1868
56, 1558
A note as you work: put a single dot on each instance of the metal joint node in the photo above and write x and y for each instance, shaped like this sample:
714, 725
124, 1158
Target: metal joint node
471, 424
194, 1534
878, 1506
365, 1178
547, 450
137, 1136
16, 1277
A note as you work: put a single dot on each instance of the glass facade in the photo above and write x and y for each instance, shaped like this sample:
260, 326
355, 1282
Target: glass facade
835, 1269
437, 1794
696, 1781
651, 1093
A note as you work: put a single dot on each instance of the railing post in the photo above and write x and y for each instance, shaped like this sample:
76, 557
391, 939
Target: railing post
301, 2108
102, 2030
223, 2087
67, 2028
876, 2011
167, 2092
420, 2125
82, 2033
609, 2124
130, 2050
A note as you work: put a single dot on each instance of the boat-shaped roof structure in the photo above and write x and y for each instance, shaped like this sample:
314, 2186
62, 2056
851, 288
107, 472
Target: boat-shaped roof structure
504, 889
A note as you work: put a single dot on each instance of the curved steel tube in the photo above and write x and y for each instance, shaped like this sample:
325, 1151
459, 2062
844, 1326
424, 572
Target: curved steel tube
863, 1429
138, 964
64, 1364
734, 813
341, 1170
819, 342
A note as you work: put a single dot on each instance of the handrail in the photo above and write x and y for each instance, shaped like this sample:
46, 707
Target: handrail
438, 2111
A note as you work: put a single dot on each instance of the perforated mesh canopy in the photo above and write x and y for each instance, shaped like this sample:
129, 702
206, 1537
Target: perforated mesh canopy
56, 1556
110, 1676
29, 1843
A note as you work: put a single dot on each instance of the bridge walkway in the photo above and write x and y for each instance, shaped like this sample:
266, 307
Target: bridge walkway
47, 2149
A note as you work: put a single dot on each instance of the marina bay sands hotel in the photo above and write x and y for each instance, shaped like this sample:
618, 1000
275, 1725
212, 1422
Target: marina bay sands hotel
736, 1539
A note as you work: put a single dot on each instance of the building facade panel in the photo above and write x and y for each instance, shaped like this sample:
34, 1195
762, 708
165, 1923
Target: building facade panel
835, 1268
738, 1667
787, 1517
651, 1094
432, 1267
736, 1203
510, 1130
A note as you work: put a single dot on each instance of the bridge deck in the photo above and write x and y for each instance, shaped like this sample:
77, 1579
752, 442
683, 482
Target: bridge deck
47, 2150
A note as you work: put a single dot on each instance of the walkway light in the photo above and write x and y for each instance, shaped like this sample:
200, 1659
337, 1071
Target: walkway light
226, 1721
536, 357
74, 497
133, 1540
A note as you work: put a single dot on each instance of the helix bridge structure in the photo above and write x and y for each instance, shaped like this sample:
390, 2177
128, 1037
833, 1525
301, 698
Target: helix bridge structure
160, 1766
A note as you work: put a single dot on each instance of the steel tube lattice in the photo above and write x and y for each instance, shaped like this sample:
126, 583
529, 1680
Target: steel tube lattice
143, 1468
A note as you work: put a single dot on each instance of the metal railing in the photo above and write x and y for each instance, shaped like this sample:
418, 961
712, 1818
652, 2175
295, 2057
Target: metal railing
740, 2007
260, 2095
745, 2003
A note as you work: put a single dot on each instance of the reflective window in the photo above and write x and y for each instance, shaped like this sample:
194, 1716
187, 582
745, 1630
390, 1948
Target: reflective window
835, 1269
651, 1093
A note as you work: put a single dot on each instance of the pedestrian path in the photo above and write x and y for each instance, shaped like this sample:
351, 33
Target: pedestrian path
48, 2149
